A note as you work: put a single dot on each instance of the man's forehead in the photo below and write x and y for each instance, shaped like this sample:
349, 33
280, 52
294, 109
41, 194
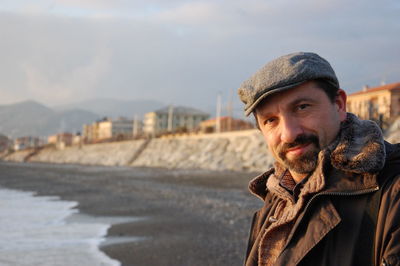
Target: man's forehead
289, 96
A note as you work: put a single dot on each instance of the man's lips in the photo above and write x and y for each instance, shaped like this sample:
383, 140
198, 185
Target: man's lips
298, 150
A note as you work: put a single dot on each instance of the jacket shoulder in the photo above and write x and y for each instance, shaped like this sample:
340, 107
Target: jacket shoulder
391, 169
392, 153
387, 229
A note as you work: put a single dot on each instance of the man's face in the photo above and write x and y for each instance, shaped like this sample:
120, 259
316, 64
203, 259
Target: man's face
298, 123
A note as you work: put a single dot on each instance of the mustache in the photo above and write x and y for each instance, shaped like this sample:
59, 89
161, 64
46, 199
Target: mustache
300, 140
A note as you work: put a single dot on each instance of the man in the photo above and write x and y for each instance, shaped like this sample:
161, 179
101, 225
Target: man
332, 197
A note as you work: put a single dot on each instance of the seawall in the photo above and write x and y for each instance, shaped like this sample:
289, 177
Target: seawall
237, 151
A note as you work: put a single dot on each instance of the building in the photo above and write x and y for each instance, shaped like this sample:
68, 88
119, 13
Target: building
77, 139
172, 119
52, 139
5, 143
90, 133
137, 127
61, 140
117, 129
227, 123
27, 142
110, 129
381, 104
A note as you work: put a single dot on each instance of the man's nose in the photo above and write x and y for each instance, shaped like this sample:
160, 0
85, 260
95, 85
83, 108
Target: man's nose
290, 130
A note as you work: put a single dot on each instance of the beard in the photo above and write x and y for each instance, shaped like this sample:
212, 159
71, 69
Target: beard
305, 163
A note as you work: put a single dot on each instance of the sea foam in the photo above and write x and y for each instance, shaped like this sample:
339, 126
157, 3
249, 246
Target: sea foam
34, 231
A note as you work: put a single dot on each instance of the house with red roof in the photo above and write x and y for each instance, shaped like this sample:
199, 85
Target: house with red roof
381, 104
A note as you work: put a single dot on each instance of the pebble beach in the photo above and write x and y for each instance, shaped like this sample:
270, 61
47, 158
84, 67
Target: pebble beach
156, 216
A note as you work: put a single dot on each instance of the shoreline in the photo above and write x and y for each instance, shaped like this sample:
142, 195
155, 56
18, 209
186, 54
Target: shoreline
192, 217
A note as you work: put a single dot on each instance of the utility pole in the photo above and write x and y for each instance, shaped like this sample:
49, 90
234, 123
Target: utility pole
170, 117
229, 109
218, 116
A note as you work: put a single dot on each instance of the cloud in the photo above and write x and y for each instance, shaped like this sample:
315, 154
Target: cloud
52, 60
92, 4
76, 82
192, 13
185, 52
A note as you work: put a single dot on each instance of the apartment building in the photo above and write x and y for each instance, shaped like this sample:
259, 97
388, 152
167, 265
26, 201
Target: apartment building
27, 142
65, 138
226, 123
120, 128
90, 133
5, 143
172, 119
380, 103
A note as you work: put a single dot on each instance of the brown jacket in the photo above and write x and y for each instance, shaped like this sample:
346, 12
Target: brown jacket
330, 222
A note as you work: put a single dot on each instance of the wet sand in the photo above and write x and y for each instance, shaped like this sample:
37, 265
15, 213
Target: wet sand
188, 217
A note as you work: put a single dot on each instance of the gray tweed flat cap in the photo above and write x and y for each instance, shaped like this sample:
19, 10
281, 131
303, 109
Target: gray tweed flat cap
283, 73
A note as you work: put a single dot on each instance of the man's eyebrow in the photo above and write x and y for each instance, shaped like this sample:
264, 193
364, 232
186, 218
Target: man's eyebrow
293, 103
303, 99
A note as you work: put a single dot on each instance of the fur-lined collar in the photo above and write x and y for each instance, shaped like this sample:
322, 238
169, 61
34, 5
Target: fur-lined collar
359, 148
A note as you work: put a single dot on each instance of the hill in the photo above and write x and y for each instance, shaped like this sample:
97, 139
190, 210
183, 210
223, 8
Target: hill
114, 108
30, 118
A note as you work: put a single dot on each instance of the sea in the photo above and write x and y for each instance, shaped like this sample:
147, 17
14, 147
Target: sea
47, 231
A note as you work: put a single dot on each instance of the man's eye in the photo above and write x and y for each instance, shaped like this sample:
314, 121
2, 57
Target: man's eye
303, 106
269, 121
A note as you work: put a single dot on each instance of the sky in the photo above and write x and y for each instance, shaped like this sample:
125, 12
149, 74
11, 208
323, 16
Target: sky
185, 52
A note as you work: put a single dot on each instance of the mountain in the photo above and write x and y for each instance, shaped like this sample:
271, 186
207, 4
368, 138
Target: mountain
30, 118
114, 108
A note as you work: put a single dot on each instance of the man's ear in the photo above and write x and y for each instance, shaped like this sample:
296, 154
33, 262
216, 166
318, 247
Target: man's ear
340, 101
